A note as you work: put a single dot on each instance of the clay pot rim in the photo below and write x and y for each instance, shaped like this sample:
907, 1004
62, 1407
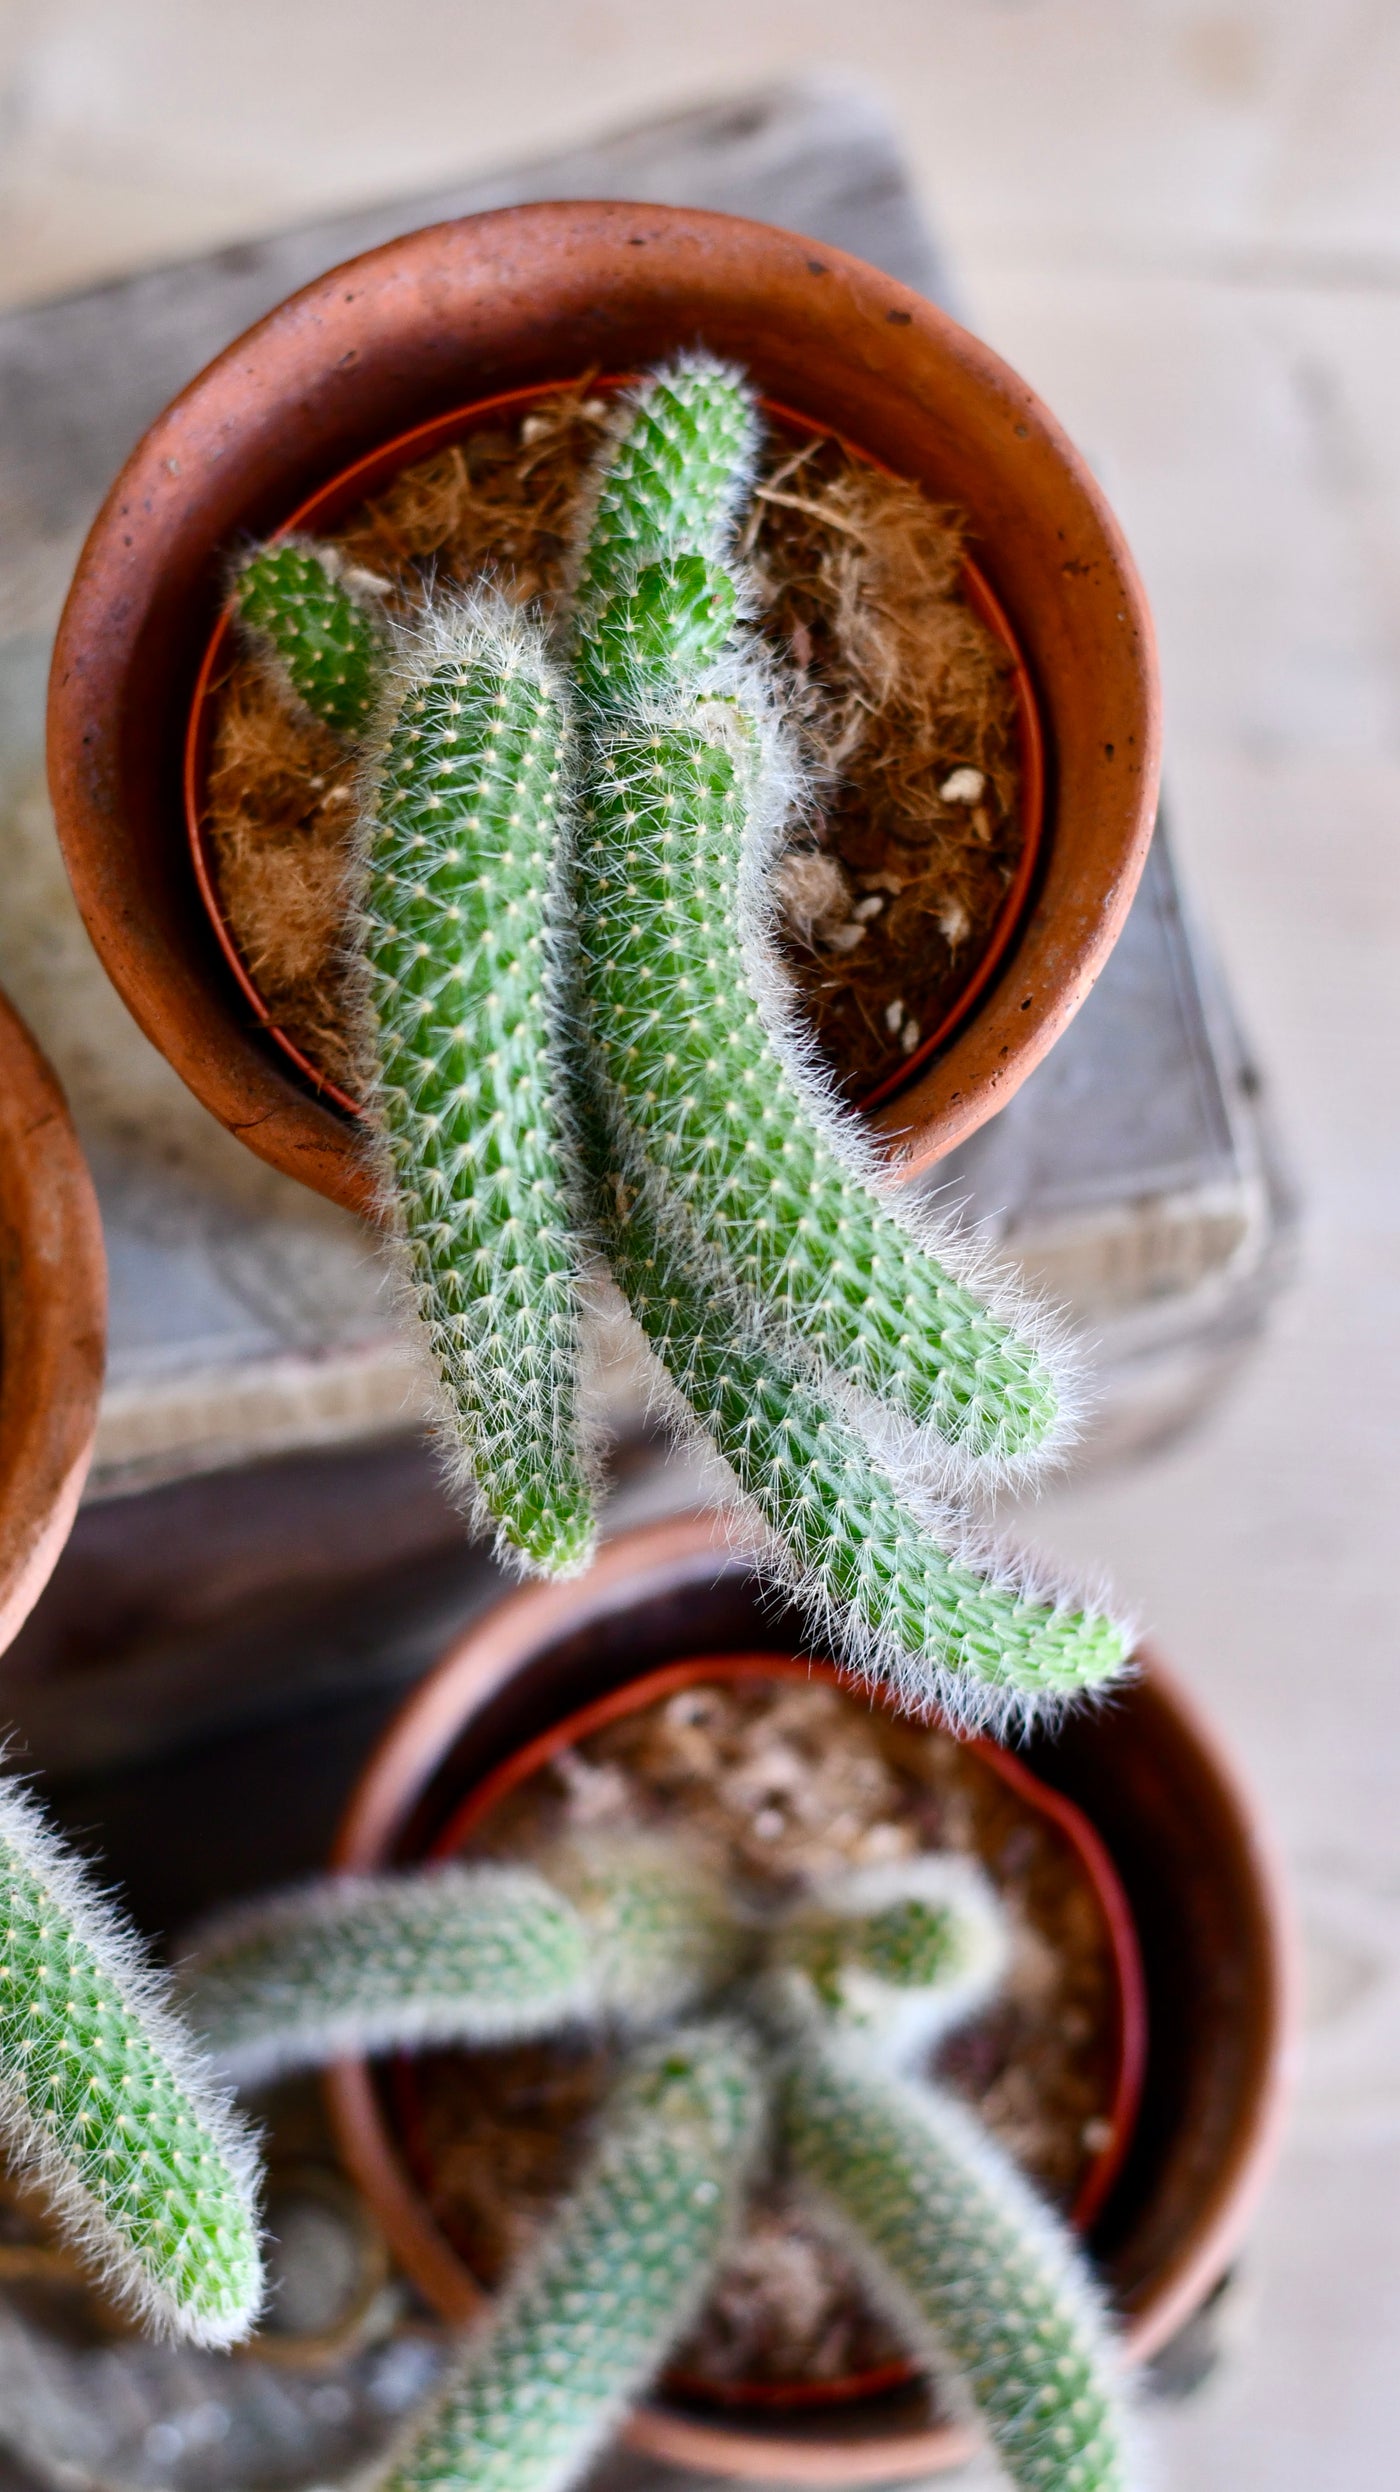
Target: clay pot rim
389, 338
1129, 2008
365, 477
645, 1561
53, 1322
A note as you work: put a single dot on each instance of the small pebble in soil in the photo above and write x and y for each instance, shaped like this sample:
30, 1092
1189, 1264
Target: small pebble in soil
869, 907
844, 938
963, 787
910, 1036
954, 924
894, 1014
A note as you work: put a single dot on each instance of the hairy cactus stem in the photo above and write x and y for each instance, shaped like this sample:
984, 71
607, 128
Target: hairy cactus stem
692, 1015
106, 2105
618, 2279
476, 1953
311, 623
882, 1573
464, 803
975, 2273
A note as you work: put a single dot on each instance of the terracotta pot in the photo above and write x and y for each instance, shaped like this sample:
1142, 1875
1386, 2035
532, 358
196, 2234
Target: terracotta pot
526, 296
53, 1322
331, 504
1127, 2038
1181, 1838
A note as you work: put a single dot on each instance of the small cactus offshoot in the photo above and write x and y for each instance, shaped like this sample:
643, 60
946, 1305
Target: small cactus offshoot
563, 933
106, 2107
328, 645
795, 2036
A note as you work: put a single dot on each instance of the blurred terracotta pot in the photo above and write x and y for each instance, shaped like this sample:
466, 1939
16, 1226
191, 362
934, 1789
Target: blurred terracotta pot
510, 300
1181, 1839
53, 1320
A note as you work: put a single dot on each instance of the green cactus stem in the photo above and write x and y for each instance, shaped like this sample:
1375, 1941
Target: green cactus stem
899, 1953
617, 2281
675, 474
329, 647
974, 2272
672, 856
692, 1010
474, 1953
106, 2107
880, 1570
464, 803
358, 1965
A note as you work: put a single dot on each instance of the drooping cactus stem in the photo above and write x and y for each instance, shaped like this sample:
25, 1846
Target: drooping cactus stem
972, 2269
476, 1954
327, 642
464, 811
687, 806
615, 2283
105, 2103
875, 1573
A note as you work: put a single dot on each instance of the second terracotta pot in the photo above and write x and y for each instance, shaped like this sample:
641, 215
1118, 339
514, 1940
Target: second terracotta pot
533, 295
53, 1322
1162, 1800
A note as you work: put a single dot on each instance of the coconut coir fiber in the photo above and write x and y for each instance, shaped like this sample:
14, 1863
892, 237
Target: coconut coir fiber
904, 703
780, 1783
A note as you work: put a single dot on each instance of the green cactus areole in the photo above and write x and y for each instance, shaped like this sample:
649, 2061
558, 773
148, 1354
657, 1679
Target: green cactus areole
621, 2274
294, 605
104, 2104
459, 852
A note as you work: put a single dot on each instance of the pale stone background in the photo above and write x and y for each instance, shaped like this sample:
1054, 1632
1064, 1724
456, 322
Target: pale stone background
1183, 223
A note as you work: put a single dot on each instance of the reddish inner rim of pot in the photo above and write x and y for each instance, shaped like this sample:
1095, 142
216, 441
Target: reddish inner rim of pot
353, 485
1130, 2038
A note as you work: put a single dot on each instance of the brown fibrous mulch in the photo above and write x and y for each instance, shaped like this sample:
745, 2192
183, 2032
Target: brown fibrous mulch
904, 704
781, 1784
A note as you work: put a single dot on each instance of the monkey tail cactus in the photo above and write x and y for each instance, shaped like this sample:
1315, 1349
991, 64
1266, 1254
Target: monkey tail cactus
299, 609
364, 1964
463, 802
975, 2273
105, 2104
617, 2281
895, 1581
632, 1932
697, 1036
